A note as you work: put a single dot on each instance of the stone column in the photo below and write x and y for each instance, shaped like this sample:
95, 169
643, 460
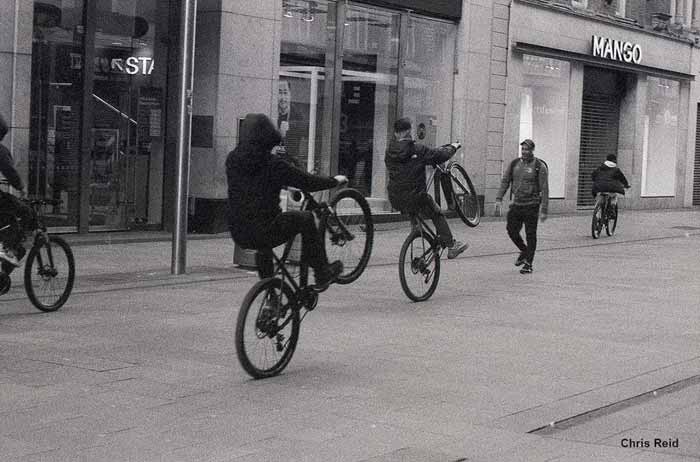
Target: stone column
680, 13
695, 22
15, 75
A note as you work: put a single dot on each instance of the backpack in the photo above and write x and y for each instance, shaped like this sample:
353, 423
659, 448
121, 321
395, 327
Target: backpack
538, 165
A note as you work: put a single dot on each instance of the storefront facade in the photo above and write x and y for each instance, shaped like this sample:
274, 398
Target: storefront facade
585, 86
89, 107
334, 75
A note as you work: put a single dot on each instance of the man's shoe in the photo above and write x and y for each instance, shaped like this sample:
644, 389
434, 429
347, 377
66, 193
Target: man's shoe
455, 249
526, 269
8, 256
329, 274
521, 259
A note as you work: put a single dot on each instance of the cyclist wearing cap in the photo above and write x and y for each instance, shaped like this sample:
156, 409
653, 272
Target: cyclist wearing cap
527, 178
406, 161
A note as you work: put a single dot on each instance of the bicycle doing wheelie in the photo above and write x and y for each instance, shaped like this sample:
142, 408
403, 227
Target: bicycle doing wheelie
605, 215
49, 269
267, 329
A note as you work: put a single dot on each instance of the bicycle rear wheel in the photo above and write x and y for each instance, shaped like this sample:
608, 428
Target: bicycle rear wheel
267, 328
597, 221
349, 233
464, 196
611, 220
49, 274
419, 266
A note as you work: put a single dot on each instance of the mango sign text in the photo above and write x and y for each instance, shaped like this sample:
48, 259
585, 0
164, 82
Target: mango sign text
604, 47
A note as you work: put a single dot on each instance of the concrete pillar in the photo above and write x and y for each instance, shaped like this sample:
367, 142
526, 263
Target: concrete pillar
236, 61
15, 75
695, 22
680, 13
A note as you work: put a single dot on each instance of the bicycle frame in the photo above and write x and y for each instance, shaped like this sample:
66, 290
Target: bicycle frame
417, 220
441, 171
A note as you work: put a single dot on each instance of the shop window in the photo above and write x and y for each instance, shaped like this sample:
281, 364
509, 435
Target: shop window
306, 68
660, 145
369, 96
56, 93
544, 104
428, 82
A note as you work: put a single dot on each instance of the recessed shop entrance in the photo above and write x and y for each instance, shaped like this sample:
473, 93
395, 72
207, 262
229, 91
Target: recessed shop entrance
603, 90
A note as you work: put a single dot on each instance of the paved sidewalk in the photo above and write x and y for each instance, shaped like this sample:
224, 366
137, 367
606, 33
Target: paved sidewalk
601, 340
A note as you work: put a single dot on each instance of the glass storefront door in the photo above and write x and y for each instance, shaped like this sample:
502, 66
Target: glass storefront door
56, 113
127, 45
127, 110
369, 96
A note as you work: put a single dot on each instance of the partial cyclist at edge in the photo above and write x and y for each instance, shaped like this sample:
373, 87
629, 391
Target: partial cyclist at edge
11, 251
406, 161
256, 221
608, 178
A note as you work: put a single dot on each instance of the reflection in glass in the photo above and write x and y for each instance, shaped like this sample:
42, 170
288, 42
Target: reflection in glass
369, 96
305, 73
56, 92
660, 137
128, 98
544, 107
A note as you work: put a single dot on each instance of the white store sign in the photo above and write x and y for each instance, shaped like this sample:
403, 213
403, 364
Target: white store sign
617, 50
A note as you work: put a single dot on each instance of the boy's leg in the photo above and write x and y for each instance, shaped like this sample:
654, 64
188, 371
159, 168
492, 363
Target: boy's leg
531, 219
287, 225
514, 223
430, 209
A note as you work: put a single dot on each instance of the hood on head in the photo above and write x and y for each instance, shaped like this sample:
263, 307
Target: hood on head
257, 138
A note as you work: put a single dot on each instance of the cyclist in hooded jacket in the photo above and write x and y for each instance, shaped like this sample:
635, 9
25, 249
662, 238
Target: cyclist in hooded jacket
608, 178
256, 221
406, 161
10, 205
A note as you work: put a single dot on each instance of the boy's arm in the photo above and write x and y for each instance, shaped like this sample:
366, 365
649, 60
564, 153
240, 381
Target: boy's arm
8, 170
439, 155
623, 179
544, 188
505, 182
297, 178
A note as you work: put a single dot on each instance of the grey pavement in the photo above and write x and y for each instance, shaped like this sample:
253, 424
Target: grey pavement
601, 341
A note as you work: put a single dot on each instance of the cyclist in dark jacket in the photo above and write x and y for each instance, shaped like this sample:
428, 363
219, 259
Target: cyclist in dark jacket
256, 221
406, 161
10, 205
609, 178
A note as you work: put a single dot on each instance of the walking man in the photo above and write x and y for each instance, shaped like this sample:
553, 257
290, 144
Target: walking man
527, 178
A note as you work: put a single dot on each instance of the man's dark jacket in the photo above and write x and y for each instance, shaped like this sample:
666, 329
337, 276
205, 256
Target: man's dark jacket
256, 177
609, 178
406, 160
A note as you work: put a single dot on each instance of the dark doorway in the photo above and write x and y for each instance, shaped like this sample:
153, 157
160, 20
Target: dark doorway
600, 120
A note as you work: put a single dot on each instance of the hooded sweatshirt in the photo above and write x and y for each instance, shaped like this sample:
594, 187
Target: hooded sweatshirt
406, 161
609, 178
256, 177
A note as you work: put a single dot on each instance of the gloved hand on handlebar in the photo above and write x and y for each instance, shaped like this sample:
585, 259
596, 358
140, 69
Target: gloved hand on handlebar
341, 179
456, 144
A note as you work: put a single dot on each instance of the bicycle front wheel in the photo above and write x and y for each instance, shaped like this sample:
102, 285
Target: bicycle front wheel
611, 221
419, 266
464, 196
597, 221
49, 274
267, 328
349, 233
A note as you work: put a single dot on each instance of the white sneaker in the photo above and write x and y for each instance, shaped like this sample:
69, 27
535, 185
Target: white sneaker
8, 256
